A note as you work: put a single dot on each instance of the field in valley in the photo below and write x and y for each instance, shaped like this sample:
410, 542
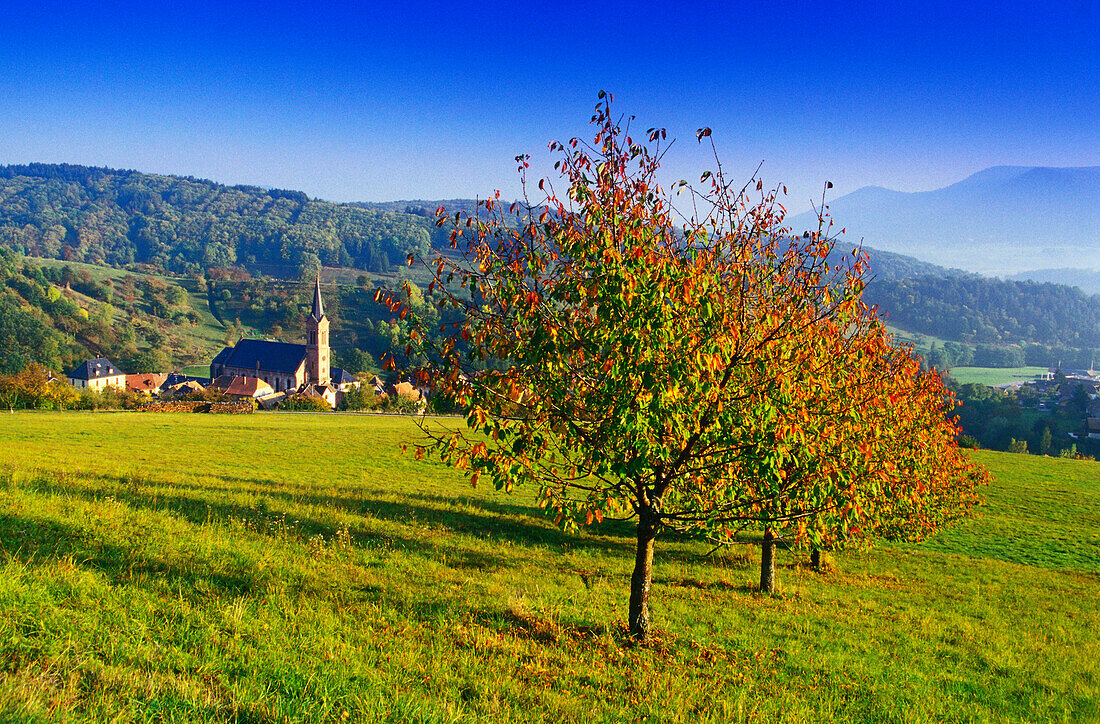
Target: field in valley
279, 567
991, 376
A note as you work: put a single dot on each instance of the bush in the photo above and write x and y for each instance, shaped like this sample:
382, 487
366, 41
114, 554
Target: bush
298, 403
969, 441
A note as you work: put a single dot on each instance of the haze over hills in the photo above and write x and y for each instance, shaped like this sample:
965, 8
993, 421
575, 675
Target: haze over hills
1003, 220
1087, 280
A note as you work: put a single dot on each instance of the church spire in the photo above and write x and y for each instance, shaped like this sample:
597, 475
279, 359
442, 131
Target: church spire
318, 308
317, 351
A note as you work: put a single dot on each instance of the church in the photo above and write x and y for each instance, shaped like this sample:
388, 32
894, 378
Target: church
286, 367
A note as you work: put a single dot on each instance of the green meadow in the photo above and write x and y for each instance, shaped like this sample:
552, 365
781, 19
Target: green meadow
995, 375
300, 568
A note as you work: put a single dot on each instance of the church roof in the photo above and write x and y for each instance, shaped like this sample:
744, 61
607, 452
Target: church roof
268, 356
341, 377
95, 369
318, 308
222, 356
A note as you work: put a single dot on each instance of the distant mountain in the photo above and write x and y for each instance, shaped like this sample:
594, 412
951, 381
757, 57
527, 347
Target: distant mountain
888, 266
1087, 280
1004, 220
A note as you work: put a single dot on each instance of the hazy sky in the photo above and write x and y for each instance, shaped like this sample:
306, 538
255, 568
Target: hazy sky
382, 101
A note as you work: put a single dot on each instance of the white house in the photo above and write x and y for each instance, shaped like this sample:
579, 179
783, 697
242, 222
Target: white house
97, 374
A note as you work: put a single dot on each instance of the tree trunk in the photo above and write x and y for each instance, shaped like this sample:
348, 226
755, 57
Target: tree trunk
767, 563
641, 579
815, 559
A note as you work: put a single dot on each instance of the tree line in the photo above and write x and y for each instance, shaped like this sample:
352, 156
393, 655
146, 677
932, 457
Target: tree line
185, 225
982, 310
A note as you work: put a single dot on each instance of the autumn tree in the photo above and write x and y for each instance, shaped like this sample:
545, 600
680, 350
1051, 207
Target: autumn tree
694, 369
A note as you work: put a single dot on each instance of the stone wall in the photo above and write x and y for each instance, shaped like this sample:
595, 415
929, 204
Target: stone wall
237, 407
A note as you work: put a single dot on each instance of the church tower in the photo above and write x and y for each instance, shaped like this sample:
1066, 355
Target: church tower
317, 353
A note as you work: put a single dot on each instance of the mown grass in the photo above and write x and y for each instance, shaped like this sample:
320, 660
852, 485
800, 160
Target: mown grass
299, 568
994, 375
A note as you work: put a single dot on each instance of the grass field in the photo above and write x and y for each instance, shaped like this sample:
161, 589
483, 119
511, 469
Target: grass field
271, 568
994, 375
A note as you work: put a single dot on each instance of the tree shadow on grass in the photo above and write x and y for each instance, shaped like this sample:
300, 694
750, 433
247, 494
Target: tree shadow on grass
262, 521
516, 523
495, 520
38, 542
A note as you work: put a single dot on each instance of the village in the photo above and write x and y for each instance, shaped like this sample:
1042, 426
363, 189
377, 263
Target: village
272, 374
1062, 389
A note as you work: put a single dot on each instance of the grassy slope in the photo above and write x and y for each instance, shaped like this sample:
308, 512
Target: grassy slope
204, 338
207, 568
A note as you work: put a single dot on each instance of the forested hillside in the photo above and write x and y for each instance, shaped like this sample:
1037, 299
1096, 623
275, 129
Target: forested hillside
979, 309
223, 239
57, 315
104, 216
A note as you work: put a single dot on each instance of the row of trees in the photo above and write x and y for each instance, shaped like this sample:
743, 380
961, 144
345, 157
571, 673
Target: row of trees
706, 377
958, 354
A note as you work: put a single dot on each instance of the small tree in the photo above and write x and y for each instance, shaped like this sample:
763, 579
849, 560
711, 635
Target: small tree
701, 376
1045, 442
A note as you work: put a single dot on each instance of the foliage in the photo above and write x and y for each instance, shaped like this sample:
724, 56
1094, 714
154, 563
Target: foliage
36, 388
60, 315
703, 378
992, 418
360, 398
301, 403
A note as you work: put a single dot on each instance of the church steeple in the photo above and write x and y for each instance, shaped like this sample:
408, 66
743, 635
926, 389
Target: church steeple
318, 307
317, 351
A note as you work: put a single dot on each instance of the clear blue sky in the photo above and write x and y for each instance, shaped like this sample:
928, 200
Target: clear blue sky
382, 101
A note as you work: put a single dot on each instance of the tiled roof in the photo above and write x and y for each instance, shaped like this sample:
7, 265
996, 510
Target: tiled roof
221, 382
244, 386
249, 387
146, 382
270, 356
95, 369
404, 389
185, 387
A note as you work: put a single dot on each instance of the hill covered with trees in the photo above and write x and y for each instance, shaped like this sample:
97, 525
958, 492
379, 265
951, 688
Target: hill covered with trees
983, 310
56, 315
226, 239
184, 225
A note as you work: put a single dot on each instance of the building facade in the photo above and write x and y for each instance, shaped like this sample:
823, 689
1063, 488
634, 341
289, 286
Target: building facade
286, 367
97, 374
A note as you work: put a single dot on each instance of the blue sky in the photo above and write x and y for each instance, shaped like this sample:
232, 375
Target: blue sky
389, 101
